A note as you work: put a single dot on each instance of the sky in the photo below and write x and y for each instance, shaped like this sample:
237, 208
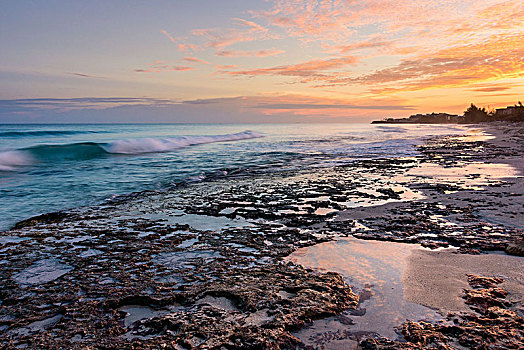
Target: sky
208, 61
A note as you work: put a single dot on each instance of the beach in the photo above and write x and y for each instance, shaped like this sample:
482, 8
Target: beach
250, 260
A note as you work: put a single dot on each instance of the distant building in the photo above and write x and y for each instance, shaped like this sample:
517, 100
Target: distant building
433, 118
506, 111
510, 113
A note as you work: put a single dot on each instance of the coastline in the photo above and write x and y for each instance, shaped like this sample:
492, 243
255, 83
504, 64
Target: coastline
236, 277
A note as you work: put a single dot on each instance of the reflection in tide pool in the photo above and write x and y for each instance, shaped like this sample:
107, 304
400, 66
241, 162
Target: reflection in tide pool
472, 175
374, 270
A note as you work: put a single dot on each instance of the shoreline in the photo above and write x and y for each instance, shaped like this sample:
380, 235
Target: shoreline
435, 278
100, 265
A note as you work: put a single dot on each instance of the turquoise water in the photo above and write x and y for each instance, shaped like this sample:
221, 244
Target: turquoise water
45, 168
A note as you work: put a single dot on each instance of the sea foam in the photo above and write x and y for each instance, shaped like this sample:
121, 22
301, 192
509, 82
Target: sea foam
10, 160
152, 145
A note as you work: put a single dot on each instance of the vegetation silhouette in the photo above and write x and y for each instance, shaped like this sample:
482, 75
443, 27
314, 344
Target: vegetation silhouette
475, 115
472, 115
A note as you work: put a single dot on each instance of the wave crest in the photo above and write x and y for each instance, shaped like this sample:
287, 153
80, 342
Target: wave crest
10, 160
152, 145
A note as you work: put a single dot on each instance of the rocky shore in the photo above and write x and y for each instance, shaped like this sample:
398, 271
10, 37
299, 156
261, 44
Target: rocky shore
202, 265
490, 324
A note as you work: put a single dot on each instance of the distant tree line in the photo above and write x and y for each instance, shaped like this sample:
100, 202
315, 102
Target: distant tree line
472, 115
475, 114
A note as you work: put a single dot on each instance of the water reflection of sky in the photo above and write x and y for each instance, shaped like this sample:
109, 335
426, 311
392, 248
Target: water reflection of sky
368, 266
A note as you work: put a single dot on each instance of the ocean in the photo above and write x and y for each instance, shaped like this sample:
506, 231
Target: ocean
45, 168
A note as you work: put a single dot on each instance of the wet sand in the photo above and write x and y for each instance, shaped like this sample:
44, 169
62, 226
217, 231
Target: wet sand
436, 279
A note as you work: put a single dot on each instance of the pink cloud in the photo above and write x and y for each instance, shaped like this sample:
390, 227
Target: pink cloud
258, 53
409, 45
195, 60
178, 42
218, 38
443, 43
186, 47
426, 24
160, 66
222, 37
169, 36
252, 25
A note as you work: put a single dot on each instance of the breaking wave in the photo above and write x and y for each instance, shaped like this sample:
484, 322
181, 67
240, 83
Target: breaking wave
10, 160
153, 145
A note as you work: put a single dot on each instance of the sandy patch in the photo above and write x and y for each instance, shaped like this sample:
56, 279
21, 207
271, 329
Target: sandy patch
436, 279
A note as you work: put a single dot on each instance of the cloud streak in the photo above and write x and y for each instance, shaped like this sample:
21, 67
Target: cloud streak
309, 106
195, 60
82, 75
169, 36
262, 105
256, 53
251, 25
160, 66
66, 104
307, 71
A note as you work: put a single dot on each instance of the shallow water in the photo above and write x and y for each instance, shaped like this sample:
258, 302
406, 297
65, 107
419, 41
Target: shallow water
473, 175
398, 282
374, 270
42, 271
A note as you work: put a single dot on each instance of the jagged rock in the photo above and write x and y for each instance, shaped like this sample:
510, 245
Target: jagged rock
494, 327
516, 247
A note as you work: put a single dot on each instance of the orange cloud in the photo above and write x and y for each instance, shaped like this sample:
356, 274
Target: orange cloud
371, 44
495, 59
226, 66
408, 45
308, 71
495, 88
444, 43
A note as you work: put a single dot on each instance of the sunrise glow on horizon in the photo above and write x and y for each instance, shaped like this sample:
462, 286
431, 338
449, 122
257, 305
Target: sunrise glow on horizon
256, 61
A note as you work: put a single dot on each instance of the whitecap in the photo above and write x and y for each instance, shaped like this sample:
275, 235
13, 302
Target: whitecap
10, 160
152, 145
